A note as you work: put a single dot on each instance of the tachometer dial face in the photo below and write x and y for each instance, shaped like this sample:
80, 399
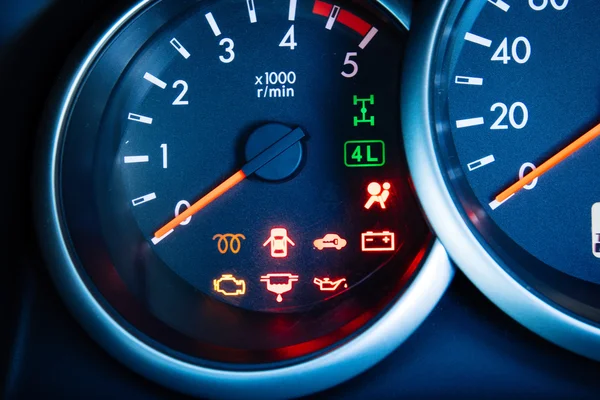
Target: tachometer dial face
517, 116
232, 180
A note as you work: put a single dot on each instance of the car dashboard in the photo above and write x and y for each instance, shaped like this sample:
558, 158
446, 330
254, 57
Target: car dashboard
300, 199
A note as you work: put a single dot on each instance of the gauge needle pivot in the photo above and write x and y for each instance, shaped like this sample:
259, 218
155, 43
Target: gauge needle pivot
248, 169
550, 163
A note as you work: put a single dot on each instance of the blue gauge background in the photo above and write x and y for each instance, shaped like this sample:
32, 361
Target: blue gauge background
551, 90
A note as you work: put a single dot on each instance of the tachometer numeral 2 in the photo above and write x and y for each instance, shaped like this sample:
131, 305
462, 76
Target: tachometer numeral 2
179, 101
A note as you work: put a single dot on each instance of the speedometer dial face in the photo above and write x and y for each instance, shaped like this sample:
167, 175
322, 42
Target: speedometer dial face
515, 111
230, 183
519, 97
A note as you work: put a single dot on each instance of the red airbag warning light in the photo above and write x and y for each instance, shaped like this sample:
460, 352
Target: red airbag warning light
279, 283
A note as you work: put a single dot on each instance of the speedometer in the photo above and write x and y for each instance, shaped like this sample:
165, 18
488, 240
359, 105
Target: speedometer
507, 170
227, 196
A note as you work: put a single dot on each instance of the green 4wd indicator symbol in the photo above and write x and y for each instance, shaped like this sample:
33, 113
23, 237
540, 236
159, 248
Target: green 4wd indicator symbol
364, 153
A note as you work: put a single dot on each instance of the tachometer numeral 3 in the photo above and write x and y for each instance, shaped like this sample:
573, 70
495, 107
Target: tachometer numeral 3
228, 49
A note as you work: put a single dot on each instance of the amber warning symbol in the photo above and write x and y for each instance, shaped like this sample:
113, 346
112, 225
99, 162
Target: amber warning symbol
279, 283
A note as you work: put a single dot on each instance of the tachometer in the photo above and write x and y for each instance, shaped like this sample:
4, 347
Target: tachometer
508, 170
227, 188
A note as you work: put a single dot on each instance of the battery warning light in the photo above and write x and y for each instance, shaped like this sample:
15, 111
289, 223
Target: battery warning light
279, 283
378, 241
228, 285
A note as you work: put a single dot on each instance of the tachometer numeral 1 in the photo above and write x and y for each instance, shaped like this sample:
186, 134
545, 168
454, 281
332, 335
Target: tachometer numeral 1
288, 39
352, 63
165, 155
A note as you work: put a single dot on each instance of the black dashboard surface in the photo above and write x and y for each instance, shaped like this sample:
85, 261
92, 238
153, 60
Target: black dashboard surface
467, 348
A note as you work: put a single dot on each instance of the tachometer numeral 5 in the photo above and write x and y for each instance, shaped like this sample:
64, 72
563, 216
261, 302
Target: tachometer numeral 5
352, 63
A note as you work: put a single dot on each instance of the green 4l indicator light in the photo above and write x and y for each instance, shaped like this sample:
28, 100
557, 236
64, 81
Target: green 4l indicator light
364, 153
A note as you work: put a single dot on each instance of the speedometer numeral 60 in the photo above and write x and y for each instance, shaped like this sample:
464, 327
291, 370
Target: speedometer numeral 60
539, 5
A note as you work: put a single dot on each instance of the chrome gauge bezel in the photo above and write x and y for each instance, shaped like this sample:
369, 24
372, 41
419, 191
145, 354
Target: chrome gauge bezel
402, 316
467, 249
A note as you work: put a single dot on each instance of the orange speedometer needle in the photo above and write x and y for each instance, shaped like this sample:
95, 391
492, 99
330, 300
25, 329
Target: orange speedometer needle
249, 168
550, 163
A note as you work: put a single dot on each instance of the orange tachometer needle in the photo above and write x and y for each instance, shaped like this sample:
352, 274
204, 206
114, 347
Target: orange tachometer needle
550, 163
251, 167
203, 202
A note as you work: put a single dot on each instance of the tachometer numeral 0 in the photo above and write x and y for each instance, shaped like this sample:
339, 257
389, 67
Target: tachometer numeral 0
179, 101
288, 39
512, 119
539, 5
524, 170
349, 61
178, 210
520, 51
228, 49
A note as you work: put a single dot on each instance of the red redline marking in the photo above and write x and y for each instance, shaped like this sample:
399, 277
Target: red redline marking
353, 22
344, 17
322, 8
